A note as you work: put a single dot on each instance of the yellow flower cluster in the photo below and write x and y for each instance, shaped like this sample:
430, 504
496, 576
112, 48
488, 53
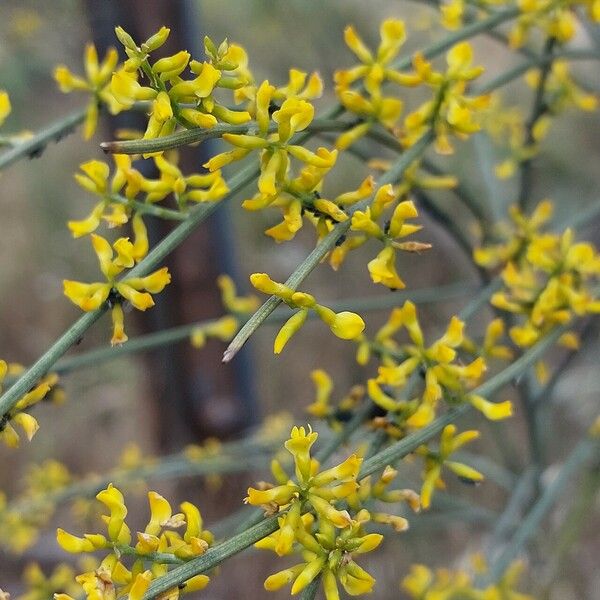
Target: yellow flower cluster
330, 554
445, 377
96, 84
157, 547
449, 111
329, 542
382, 268
374, 71
129, 191
424, 584
319, 489
547, 277
557, 18
345, 325
173, 99
17, 415
452, 12
113, 260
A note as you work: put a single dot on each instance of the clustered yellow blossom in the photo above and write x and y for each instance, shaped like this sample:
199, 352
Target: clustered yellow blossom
444, 376
298, 196
452, 12
382, 268
96, 83
156, 548
329, 539
226, 327
17, 415
330, 554
548, 277
129, 191
113, 260
345, 325
375, 70
556, 18
449, 111
319, 489
424, 584
22, 518
17, 531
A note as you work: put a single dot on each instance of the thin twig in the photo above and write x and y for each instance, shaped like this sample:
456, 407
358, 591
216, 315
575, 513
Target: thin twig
35, 145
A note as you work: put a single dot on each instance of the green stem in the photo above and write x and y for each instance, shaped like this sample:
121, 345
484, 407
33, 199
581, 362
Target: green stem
195, 136
159, 557
323, 248
583, 452
36, 144
511, 516
150, 209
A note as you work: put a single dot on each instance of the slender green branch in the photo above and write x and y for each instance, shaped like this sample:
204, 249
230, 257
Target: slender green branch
151, 209
583, 452
195, 136
323, 248
36, 144
164, 558
511, 516
478, 301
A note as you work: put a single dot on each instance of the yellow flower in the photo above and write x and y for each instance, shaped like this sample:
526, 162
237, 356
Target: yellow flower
345, 325
383, 269
138, 290
96, 83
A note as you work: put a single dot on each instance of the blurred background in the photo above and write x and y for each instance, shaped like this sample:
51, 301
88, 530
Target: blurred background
163, 401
